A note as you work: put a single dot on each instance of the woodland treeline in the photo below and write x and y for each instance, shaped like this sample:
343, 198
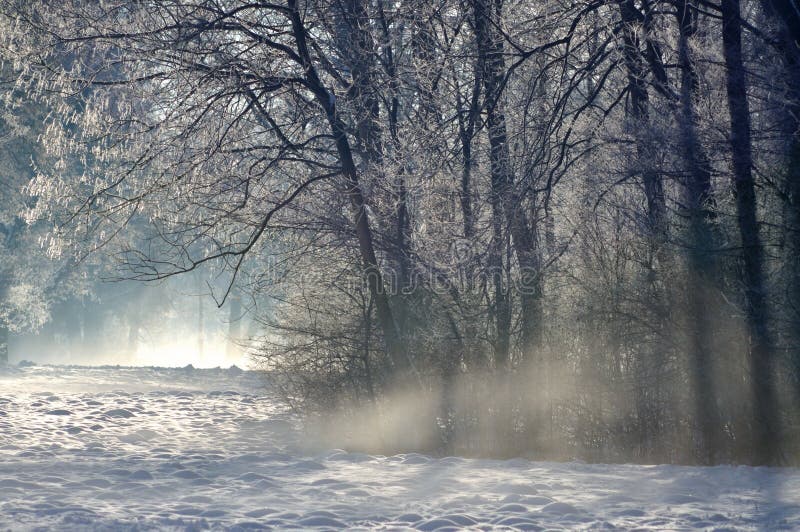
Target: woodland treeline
556, 229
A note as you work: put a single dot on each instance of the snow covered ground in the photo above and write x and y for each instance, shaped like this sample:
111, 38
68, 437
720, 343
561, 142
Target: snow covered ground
145, 448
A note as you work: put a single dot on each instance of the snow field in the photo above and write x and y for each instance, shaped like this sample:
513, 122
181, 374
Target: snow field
172, 449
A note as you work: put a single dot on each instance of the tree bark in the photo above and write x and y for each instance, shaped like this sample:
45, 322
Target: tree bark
467, 121
640, 116
490, 54
397, 353
648, 408
787, 17
702, 264
507, 202
766, 422
491, 62
465, 192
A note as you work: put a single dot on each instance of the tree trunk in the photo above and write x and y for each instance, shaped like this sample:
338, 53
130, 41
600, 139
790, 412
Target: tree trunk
657, 228
702, 263
640, 118
506, 200
793, 256
465, 193
466, 132
490, 60
360, 47
374, 278
490, 54
397, 353
787, 17
766, 422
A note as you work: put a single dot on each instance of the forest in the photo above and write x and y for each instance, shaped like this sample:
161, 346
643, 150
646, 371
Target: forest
555, 229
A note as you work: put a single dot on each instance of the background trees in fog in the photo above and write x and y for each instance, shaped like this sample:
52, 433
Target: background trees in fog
569, 229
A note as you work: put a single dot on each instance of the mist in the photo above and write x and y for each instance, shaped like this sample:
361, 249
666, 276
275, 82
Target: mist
571, 409
167, 324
